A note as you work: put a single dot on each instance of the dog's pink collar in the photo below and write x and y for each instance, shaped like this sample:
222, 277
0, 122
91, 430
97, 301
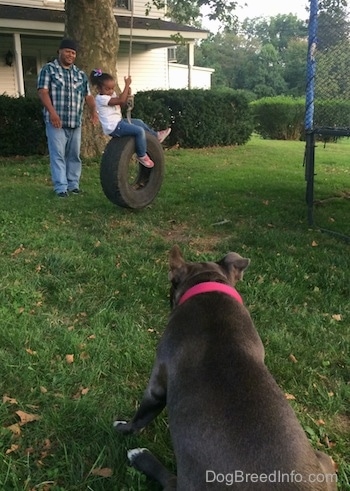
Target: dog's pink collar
211, 286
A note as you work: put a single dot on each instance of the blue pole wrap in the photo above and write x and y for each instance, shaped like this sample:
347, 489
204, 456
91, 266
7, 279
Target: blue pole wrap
311, 66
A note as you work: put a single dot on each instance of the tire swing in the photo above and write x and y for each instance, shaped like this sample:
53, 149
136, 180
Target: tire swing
124, 180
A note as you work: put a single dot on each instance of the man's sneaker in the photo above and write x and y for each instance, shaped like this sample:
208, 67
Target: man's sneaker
146, 161
64, 194
75, 191
163, 134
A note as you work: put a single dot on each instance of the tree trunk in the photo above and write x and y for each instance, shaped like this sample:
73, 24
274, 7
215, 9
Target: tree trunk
92, 24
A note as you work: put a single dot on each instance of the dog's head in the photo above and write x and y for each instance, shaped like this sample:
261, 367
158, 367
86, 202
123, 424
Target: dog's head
183, 275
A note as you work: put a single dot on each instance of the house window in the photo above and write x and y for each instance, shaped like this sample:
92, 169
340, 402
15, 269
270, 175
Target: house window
30, 75
172, 54
122, 4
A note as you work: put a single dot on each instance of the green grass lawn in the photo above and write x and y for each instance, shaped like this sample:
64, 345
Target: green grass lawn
84, 300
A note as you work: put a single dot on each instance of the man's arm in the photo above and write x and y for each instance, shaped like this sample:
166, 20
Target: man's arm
45, 98
90, 101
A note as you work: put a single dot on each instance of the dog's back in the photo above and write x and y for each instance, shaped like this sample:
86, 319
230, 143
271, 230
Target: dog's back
230, 424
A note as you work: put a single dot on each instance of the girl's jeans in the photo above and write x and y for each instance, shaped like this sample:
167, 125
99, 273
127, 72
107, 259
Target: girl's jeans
65, 163
136, 128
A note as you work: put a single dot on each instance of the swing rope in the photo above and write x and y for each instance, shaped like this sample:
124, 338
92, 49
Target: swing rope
130, 100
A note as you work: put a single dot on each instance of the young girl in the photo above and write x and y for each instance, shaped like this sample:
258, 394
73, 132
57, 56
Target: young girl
110, 115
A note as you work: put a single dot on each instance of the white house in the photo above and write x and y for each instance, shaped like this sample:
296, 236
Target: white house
30, 32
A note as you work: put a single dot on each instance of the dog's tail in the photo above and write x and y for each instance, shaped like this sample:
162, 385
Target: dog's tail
143, 460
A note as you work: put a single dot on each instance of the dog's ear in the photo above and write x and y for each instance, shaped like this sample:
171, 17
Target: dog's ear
177, 265
234, 265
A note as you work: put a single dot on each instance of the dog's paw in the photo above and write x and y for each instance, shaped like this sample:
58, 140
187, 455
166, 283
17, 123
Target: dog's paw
134, 453
122, 426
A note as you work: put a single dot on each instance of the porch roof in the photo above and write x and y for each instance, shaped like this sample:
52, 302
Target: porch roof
145, 29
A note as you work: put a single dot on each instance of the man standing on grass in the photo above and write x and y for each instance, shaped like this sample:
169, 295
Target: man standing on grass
62, 89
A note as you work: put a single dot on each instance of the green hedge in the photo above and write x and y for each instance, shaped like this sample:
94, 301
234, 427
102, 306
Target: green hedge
22, 130
282, 118
279, 118
198, 118
335, 113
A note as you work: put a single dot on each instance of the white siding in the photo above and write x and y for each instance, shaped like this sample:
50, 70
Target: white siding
139, 7
7, 73
178, 77
8, 81
148, 68
53, 4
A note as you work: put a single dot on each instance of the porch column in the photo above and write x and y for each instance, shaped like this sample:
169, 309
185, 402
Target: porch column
18, 64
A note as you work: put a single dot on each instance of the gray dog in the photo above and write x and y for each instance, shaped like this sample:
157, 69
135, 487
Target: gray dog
230, 424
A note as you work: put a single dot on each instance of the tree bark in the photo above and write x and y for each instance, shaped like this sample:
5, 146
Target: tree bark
92, 24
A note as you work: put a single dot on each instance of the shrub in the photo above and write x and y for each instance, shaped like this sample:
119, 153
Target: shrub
198, 118
22, 131
279, 118
332, 113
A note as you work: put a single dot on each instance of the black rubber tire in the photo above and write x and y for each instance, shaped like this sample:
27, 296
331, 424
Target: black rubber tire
119, 186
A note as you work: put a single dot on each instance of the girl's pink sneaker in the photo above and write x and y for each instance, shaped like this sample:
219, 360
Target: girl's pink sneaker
146, 161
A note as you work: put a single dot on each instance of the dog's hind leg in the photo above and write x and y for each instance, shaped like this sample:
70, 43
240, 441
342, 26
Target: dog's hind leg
328, 469
143, 460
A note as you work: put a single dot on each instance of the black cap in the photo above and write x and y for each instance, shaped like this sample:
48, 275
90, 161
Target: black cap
68, 44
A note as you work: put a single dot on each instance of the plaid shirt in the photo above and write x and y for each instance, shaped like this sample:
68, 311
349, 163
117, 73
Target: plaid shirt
68, 89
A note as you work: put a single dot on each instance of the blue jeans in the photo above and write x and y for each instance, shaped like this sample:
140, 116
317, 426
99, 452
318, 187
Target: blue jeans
137, 128
65, 163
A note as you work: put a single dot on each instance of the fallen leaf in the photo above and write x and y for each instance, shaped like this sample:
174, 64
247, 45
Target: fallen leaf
314, 243
27, 417
289, 397
335, 465
18, 250
69, 359
31, 352
43, 389
13, 448
84, 355
93, 336
15, 429
102, 472
292, 358
10, 400
337, 317
320, 422
47, 444
82, 392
